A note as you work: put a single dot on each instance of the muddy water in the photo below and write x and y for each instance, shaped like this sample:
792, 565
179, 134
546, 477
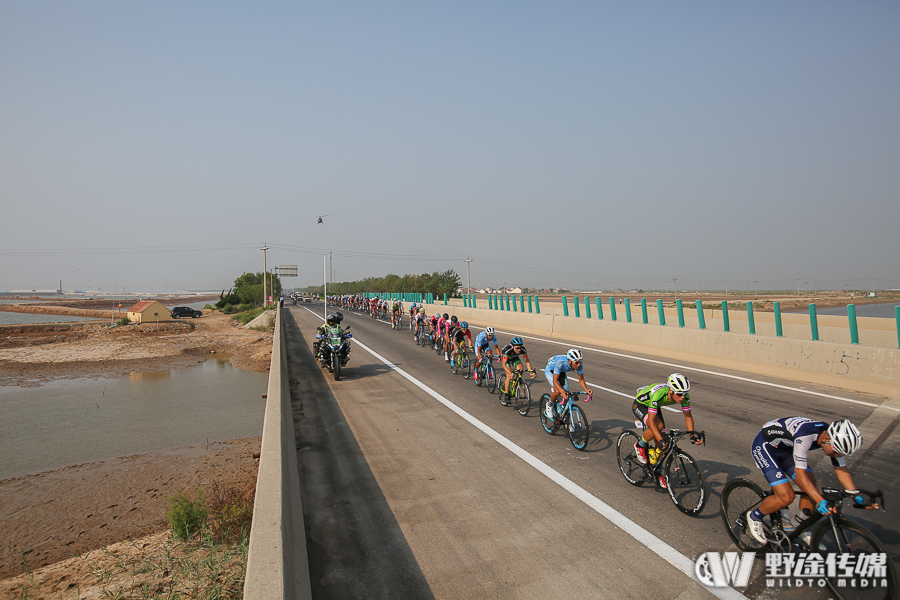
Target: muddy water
69, 422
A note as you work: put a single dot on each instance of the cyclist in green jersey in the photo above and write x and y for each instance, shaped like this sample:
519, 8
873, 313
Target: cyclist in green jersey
646, 409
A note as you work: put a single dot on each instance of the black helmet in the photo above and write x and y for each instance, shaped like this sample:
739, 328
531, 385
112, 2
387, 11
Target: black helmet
335, 318
339, 317
446, 316
453, 319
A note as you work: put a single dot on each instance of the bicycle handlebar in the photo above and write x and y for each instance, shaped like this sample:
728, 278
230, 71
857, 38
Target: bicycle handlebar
835, 496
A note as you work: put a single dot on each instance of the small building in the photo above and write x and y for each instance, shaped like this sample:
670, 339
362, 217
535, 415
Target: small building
148, 311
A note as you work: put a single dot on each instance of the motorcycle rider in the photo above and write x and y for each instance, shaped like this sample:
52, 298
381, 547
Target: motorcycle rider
334, 318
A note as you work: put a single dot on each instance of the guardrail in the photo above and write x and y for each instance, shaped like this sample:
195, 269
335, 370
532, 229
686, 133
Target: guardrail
277, 562
756, 349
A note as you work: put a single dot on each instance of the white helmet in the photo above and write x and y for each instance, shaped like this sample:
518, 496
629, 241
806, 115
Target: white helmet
574, 355
489, 331
679, 383
844, 437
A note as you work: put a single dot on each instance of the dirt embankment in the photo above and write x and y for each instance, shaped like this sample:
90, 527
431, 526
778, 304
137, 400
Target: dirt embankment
31, 354
48, 517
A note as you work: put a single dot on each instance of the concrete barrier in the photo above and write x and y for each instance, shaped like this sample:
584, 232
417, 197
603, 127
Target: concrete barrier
277, 562
842, 365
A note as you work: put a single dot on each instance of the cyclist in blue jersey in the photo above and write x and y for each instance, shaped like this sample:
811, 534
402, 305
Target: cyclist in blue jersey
555, 372
483, 343
780, 450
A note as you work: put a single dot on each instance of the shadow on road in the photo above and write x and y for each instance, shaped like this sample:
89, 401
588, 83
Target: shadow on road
356, 547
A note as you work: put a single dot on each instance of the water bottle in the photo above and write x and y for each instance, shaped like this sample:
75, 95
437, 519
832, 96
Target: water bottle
653, 455
787, 521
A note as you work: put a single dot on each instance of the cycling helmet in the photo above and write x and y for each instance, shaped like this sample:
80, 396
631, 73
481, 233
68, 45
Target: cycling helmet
446, 316
517, 341
844, 437
679, 383
421, 311
574, 355
453, 319
489, 331
437, 315
463, 324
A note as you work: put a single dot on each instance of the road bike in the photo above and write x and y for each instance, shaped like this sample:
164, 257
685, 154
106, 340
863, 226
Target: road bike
438, 343
459, 361
422, 337
824, 534
518, 391
570, 417
486, 373
683, 478
397, 320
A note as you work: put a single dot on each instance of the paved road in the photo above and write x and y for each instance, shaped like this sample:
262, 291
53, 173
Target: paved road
406, 498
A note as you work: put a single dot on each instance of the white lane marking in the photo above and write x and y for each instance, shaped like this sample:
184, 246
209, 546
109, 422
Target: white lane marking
650, 541
708, 372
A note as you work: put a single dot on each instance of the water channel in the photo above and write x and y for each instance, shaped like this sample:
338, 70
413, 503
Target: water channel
75, 421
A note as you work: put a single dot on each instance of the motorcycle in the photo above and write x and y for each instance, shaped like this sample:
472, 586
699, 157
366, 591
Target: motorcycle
334, 349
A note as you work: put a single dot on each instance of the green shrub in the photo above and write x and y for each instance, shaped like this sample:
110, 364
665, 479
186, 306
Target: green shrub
123, 321
186, 517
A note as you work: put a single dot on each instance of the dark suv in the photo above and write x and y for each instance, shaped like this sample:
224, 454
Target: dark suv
185, 311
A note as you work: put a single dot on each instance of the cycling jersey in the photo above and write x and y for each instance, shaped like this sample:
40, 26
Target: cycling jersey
783, 444
511, 355
560, 364
460, 334
557, 367
654, 396
483, 341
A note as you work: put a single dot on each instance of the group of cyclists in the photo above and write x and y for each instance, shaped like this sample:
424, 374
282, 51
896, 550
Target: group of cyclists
780, 450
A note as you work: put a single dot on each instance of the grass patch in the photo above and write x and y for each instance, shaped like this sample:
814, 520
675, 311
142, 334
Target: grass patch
246, 316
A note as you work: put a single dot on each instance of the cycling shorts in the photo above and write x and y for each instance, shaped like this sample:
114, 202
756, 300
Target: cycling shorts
561, 378
513, 361
641, 411
777, 465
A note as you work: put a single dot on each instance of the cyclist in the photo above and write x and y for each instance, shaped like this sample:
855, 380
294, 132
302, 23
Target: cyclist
555, 372
483, 343
646, 409
780, 451
511, 357
333, 319
460, 334
397, 312
449, 328
419, 322
413, 311
434, 324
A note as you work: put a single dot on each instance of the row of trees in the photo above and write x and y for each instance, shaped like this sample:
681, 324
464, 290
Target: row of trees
436, 283
248, 291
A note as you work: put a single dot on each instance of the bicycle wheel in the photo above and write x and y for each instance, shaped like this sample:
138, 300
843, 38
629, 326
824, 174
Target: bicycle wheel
739, 496
465, 367
686, 485
633, 471
479, 381
548, 423
579, 428
454, 363
852, 538
490, 379
503, 396
523, 399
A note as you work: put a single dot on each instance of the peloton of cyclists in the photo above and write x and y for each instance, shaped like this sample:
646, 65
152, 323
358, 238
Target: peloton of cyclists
511, 358
483, 343
646, 409
781, 449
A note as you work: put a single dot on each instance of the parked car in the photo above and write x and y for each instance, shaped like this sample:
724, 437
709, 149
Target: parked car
185, 311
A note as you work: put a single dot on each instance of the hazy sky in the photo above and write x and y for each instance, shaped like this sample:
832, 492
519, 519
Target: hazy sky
151, 145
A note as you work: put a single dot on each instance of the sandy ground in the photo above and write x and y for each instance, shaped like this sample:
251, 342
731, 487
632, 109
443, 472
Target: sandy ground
32, 354
48, 517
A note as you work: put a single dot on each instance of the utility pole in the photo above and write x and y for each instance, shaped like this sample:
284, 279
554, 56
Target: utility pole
675, 279
806, 283
757, 287
265, 270
331, 265
468, 279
